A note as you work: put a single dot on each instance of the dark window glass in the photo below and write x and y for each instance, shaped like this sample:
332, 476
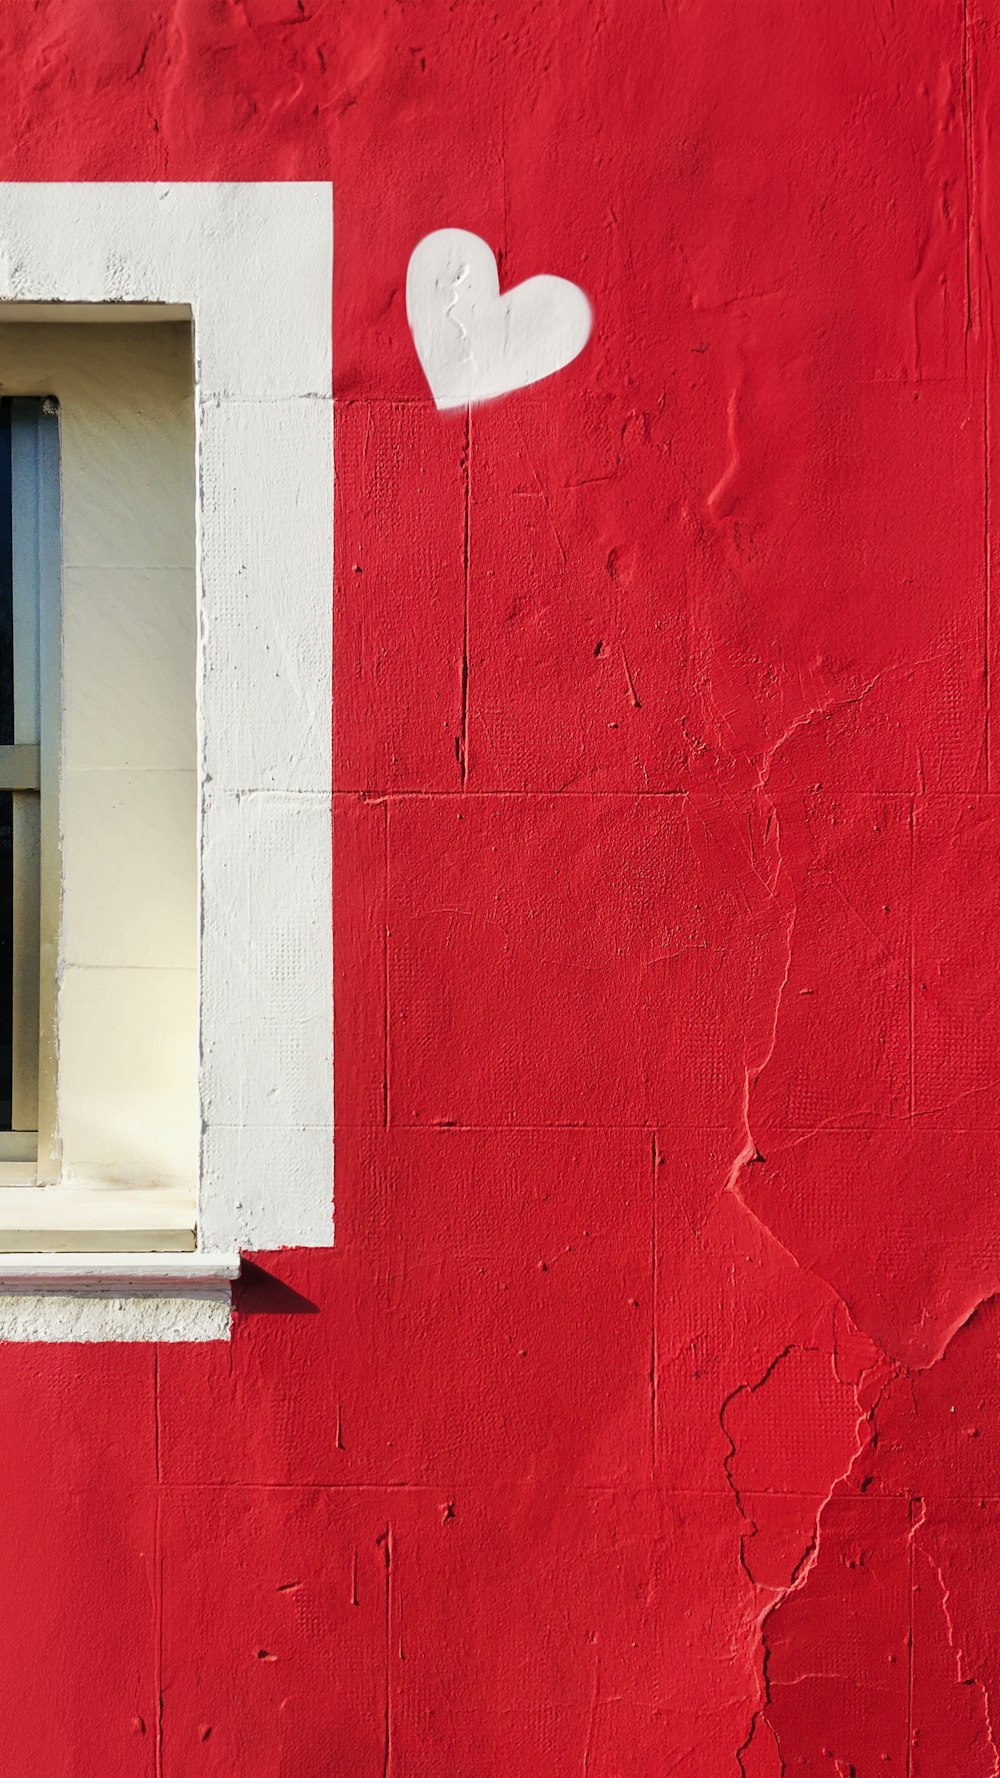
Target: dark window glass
6, 586
6, 737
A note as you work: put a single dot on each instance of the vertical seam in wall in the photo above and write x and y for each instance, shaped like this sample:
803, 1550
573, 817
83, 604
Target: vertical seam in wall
385, 965
463, 746
911, 1090
158, 1566
987, 563
504, 171
984, 319
387, 1743
159, 1636
977, 324
156, 1414
970, 179
652, 1337
909, 1647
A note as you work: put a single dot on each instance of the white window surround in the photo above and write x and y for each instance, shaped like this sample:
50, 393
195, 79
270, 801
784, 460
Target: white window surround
251, 264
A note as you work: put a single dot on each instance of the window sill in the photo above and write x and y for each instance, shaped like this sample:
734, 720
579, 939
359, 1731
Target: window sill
121, 1274
99, 1296
74, 1219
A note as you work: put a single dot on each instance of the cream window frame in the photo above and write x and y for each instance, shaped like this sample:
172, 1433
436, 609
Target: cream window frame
251, 265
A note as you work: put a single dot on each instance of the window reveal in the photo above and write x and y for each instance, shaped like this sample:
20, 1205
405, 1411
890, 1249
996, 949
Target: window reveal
98, 788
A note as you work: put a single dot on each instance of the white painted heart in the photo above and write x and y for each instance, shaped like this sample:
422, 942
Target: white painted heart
474, 343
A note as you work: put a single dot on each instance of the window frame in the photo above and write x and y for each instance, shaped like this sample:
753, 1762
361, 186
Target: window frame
264, 428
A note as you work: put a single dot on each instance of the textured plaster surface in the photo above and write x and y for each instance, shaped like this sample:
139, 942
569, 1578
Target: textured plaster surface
642, 1422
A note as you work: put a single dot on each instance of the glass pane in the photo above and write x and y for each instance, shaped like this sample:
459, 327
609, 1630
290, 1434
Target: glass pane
6, 586
6, 801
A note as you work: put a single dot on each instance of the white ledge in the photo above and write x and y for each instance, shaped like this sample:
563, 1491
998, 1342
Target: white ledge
126, 1274
76, 1220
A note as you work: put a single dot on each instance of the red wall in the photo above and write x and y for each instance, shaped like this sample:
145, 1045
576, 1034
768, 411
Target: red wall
642, 1423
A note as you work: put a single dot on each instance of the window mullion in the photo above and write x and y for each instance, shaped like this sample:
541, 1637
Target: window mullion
19, 767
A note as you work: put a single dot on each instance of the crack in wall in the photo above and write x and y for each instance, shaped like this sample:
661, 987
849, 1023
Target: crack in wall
963, 1674
780, 891
459, 278
775, 1597
734, 1394
884, 1372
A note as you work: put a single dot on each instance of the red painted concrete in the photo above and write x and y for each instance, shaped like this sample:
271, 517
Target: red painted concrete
643, 1422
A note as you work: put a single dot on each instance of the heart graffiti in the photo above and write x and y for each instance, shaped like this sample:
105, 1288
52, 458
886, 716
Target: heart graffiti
473, 343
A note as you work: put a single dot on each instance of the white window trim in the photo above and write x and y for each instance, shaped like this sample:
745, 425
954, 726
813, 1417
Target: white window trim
252, 265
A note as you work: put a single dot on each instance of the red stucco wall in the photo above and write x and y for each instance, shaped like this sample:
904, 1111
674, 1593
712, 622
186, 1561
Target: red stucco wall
642, 1423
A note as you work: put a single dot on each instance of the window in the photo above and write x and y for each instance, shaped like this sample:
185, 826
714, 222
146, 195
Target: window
165, 680
101, 774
